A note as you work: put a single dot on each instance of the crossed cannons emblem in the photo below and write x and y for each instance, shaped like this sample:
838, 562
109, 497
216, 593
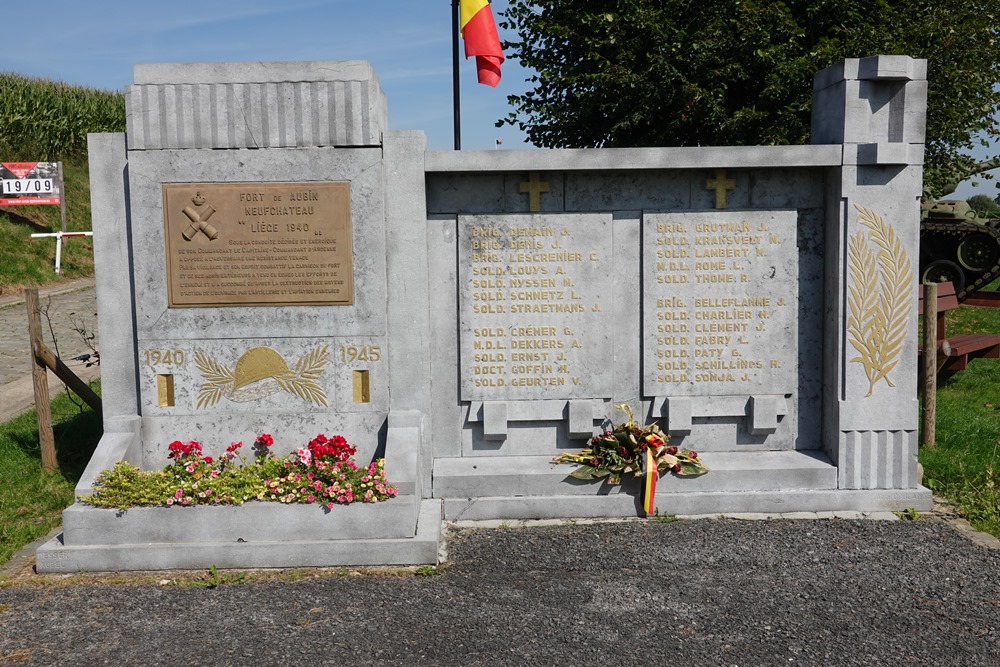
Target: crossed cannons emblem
199, 220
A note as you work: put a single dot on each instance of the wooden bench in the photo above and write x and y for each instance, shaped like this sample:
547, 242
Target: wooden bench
954, 352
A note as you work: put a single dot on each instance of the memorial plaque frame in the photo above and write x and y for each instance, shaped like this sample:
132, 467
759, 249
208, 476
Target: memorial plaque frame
290, 244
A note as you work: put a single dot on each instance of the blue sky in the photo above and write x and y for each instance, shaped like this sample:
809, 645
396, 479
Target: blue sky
408, 43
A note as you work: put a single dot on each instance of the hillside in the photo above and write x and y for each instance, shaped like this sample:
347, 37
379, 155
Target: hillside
46, 121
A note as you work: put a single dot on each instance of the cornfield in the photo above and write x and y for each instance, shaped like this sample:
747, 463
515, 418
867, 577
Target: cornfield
42, 120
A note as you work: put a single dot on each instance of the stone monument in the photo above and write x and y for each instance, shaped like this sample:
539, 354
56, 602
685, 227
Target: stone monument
270, 258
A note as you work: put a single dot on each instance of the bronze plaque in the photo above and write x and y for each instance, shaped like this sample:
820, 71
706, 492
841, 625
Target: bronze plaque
258, 244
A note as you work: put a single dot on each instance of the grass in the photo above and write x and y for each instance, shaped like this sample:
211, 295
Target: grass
26, 261
32, 500
964, 463
47, 121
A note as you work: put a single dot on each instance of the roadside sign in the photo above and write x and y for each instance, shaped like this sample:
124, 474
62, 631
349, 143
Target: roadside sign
30, 183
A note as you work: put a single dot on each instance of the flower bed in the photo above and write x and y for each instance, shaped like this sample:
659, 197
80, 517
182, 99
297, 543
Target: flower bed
323, 473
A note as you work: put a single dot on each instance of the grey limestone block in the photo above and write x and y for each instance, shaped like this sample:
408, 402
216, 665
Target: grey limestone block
109, 175
255, 105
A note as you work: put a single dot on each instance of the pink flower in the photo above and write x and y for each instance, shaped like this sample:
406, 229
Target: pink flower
178, 493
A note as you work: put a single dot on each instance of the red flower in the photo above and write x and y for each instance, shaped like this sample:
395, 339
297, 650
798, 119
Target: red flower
180, 449
676, 468
672, 451
693, 455
207, 459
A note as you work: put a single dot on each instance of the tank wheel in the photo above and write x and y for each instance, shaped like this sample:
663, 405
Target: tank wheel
942, 271
978, 252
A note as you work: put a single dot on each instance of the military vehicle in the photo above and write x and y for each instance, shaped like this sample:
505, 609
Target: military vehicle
958, 245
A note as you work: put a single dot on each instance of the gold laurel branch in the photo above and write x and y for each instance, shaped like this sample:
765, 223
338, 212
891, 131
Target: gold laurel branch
311, 365
219, 380
304, 388
895, 295
212, 370
211, 394
302, 381
862, 321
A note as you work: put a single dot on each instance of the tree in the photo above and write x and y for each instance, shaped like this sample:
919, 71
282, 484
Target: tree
739, 72
985, 206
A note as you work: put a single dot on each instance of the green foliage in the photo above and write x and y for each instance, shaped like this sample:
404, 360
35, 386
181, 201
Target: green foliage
964, 463
213, 579
329, 477
985, 206
32, 500
739, 72
622, 451
27, 261
45, 121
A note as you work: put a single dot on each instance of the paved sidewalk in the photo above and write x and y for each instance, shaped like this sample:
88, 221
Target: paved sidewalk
67, 305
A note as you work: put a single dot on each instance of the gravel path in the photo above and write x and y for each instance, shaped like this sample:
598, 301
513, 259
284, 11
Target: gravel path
705, 592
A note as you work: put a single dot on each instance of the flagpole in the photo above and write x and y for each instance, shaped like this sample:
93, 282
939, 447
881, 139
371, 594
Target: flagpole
454, 72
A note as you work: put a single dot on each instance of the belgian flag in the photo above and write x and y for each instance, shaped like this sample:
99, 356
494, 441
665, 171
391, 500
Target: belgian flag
479, 30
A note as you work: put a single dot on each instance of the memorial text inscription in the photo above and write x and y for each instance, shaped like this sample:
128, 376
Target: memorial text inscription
255, 244
535, 300
719, 303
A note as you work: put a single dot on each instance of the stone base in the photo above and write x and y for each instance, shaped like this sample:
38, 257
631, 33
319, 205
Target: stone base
686, 504
126, 555
770, 482
474, 476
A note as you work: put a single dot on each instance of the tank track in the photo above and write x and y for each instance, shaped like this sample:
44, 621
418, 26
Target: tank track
966, 253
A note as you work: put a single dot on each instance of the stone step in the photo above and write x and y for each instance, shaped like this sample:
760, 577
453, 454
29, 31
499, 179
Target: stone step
512, 476
422, 547
745, 503
253, 522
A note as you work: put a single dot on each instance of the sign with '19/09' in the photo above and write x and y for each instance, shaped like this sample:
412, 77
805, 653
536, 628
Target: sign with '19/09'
30, 183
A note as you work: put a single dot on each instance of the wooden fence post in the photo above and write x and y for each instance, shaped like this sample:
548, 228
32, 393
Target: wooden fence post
41, 384
927, 434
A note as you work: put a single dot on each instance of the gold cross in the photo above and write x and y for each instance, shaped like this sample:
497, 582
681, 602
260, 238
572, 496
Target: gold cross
534, 187
720, 184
